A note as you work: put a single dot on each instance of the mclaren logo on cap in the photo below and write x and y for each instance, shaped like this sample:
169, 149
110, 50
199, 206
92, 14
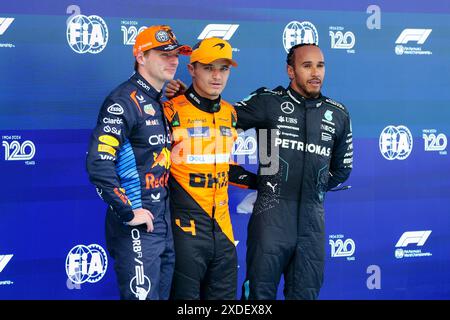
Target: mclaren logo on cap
221, 45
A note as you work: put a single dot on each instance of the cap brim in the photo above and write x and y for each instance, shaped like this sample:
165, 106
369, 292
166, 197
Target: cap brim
184, 50
209, 60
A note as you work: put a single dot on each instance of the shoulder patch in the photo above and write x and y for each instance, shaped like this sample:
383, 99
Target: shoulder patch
335, 104
169, 110
279, 91
260, 90
175, 120
133, 98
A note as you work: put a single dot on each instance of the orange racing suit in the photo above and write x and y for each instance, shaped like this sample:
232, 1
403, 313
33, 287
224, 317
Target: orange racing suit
203, 134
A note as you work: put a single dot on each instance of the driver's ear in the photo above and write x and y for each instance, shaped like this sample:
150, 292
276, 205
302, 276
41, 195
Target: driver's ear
140, 58
290, 72
191, 68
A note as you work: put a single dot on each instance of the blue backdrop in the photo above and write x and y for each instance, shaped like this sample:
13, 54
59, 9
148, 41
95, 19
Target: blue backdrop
387, 61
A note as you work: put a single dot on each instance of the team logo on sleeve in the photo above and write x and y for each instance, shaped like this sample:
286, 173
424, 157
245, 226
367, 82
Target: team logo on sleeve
198, 132
120, 192
225, 131
109, 140
115, 109
107, 149
287, 107
148, 109
162, 159
328, 115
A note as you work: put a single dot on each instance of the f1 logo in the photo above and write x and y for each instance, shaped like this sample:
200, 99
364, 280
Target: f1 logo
418, 237
417, 35
4, 24
224, 31
4, 259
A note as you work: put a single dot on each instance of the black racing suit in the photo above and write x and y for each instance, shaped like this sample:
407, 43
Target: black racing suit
286, 232
129, 162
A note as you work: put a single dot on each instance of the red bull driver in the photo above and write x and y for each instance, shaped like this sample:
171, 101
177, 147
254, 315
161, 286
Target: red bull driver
129, 160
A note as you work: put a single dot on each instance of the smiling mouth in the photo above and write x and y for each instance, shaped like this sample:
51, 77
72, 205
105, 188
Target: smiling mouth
315, 82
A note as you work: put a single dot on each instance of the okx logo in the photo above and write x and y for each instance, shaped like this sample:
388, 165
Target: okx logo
396, 143
86, 263
87, 34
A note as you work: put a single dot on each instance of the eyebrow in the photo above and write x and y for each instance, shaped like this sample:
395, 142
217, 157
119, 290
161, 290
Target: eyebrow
220, 66
312, 62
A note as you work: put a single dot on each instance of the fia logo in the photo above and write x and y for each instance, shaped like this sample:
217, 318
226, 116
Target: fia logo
87, 34
396, 142
297, 32
86, 263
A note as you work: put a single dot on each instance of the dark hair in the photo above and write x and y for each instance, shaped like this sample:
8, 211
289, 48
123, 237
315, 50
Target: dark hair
136, 63
290, 56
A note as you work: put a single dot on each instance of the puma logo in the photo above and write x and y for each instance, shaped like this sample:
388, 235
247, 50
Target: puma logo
270, 185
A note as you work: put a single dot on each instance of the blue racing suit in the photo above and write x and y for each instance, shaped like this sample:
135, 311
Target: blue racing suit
129, 161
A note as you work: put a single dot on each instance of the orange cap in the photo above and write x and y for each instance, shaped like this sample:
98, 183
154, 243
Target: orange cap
211, 49
161, 38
